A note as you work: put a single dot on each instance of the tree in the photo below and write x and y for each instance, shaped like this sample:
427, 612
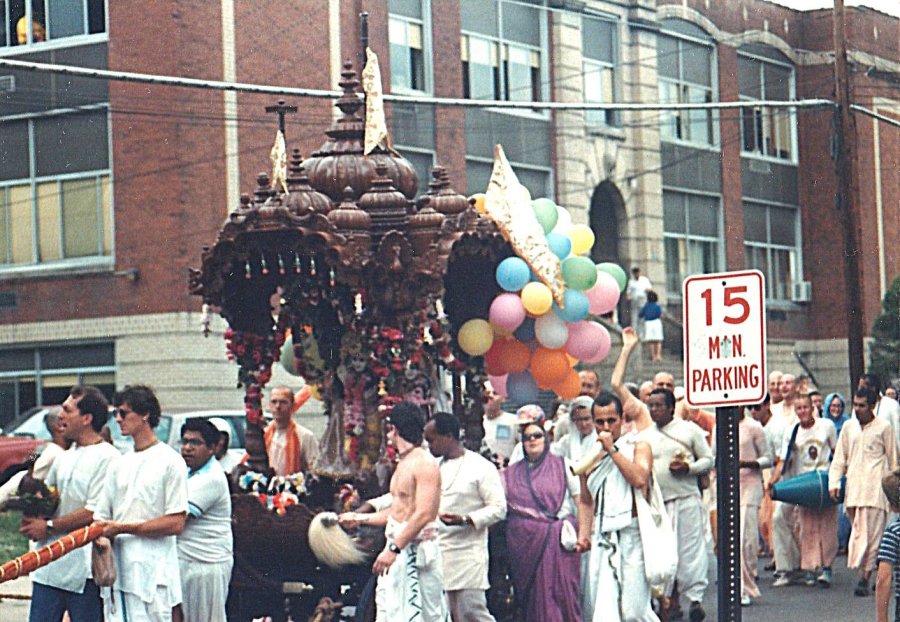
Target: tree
884, 356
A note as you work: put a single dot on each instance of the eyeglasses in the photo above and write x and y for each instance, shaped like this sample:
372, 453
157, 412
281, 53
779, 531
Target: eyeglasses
533, 436
123, 412
193, 442
609, 421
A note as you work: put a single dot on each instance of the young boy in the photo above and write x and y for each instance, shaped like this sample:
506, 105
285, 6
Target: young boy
889, 554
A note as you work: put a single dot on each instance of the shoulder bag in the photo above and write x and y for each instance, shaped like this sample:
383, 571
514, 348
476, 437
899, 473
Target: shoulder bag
657, 539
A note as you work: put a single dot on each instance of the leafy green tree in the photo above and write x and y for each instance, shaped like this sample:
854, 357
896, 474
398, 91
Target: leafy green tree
884, 356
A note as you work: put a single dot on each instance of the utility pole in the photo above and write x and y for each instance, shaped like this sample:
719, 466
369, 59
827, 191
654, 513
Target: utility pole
845, 199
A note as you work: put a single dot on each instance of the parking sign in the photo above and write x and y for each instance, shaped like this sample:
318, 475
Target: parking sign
725, 338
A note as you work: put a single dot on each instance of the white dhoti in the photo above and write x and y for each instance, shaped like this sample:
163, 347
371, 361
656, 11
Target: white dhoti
749, 549
204, 588
786, 537
413, 587
119, 606
689, 522
617, 582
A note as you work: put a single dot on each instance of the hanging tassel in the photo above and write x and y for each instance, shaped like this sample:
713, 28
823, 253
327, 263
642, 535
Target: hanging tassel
297, 263
247, 272
263, 264
280, 264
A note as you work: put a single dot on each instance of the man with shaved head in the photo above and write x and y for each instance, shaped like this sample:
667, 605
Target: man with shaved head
644, 391
664, 380
590, 383
785, 525
774, 387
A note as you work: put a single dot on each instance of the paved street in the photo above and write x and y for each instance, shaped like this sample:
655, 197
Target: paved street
798, 602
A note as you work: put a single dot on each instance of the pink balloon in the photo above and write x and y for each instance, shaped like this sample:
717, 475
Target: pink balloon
589, 342
604, 295
507, 312
499, 384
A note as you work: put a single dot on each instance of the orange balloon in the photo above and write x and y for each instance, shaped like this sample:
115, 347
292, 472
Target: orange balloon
572, 360
569, 387
549, 366
514, 356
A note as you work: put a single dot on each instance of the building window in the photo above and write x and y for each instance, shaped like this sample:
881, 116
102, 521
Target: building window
55, 199
502, 48
691, 235
536, 179
32, 377
686, 77
410, 49
26, 22
772, 246
766, 131
599, 44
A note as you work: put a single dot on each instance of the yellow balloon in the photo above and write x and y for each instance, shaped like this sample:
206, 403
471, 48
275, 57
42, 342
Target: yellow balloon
536, 298
315, 392
475, 337
582, 239
479, 202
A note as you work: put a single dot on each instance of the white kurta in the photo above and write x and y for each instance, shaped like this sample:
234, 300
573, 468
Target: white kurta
501, 434
573, 445
470, 486
144, 485
80, 476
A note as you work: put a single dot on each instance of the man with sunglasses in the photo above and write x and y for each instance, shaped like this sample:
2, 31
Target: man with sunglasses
143, 509
205, 546
615, 568
80, 475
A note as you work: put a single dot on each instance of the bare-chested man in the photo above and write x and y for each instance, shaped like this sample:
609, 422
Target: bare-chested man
410, 579
637, 416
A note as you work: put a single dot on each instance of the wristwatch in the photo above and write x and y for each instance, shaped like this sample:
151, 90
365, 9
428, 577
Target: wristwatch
393, 548
49, 525
614, 450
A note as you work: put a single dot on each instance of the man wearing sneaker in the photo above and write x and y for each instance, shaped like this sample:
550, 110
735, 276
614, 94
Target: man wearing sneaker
865, 453
809, 450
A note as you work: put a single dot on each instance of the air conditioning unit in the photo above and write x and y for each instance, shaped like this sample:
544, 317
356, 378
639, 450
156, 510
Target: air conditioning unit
801, 291
7, 84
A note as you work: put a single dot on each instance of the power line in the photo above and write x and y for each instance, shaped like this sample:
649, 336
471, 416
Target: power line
219, 85
875, 115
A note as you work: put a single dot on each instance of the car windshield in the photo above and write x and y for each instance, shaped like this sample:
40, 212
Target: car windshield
33, 426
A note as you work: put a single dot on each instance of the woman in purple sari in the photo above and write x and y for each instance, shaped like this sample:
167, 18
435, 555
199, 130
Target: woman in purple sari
541, 497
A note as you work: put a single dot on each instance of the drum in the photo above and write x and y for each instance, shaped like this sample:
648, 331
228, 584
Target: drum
809, 490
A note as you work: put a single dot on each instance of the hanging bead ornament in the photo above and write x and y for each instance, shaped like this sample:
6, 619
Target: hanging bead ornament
312, 266
247, 272
297, 263
263, 264
280, 264
331, 277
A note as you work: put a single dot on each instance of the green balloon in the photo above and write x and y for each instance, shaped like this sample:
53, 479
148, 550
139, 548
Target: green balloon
545, 212
616, 271
579, 273
287, 357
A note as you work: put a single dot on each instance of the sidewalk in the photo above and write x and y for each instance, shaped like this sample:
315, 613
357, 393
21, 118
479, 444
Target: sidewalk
15, 610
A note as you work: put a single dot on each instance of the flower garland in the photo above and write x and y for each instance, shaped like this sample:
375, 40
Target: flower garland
254, 355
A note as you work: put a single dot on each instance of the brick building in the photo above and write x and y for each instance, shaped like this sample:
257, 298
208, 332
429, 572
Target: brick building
108, 190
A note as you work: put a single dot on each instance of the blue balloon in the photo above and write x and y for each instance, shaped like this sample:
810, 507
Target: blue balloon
521, 388
577, 306
513, 274
560, 245
525, 331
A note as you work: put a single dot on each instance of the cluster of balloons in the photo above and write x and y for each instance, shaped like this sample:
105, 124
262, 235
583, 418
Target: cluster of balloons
528, 341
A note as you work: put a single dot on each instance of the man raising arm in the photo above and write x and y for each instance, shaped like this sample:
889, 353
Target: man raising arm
635, 411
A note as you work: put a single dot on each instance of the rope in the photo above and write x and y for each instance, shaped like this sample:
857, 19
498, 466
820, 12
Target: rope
15, 596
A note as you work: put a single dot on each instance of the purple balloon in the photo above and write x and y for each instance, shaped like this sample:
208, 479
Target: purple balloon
507, 312
521, 388
604, 295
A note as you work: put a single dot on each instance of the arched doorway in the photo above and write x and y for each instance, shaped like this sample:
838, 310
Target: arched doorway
607, 218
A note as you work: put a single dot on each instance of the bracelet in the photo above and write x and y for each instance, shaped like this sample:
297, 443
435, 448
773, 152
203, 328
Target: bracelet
392, 547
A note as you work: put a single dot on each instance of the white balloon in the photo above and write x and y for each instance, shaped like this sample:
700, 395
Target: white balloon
551, 331
563, 221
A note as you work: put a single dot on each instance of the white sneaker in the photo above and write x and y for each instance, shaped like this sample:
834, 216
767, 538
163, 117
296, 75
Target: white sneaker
781, 580
745, 600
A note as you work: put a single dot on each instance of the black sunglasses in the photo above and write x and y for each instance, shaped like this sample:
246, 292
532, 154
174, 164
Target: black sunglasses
533, 436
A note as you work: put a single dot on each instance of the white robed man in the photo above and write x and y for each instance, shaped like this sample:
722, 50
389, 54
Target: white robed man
205, 547
785, 516
79, 474
753, 456
143, 509
581, 436
865, 453
616, 589
680, 454
409, 569
472, 499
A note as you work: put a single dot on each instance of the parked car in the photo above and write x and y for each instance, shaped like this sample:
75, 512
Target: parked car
21, 438
169, 429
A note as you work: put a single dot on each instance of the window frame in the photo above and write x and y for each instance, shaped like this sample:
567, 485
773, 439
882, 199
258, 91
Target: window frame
427, 50
688, 237
611, 118
796, 271
793, 158
501, 45
96, 262
680, 84
85, 38
518, 165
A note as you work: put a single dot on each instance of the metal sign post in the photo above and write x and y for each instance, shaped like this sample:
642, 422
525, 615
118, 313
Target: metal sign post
725, 366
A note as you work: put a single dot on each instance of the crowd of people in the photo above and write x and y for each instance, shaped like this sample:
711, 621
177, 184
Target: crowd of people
569, 487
